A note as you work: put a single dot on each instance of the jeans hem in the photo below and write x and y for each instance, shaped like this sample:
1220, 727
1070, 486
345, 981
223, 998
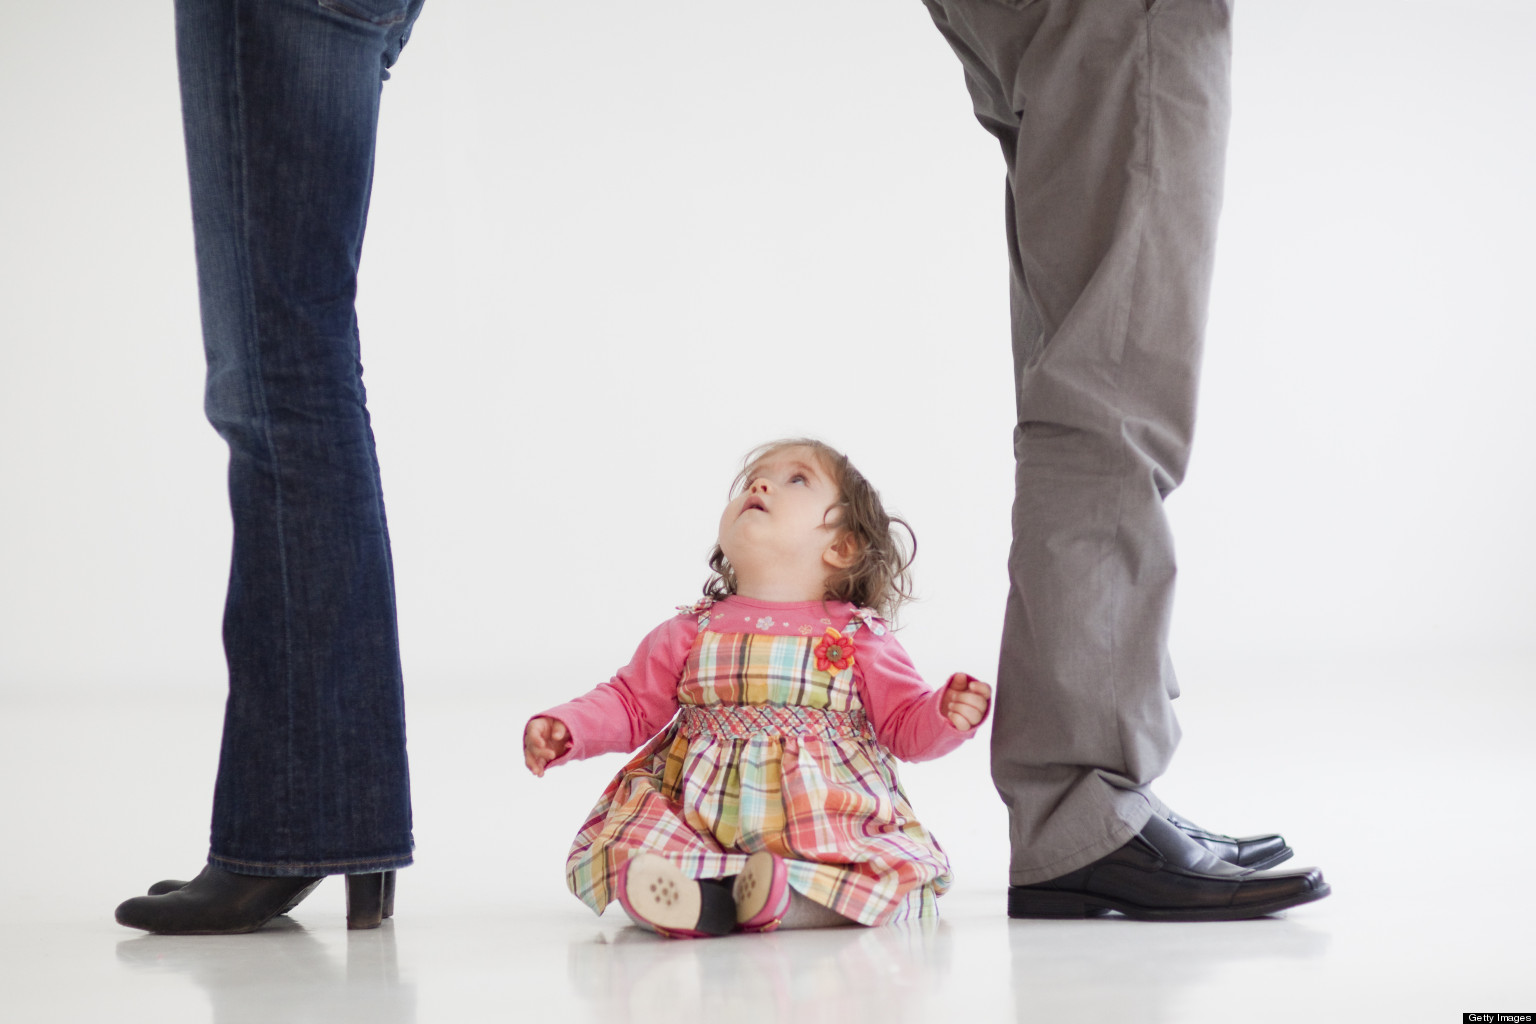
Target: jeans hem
294, 869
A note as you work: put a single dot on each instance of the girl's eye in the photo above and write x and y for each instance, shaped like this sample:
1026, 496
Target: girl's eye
798, 478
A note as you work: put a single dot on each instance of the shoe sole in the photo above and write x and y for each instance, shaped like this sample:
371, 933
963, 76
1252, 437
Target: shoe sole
1044, 904
655, 891
761, 893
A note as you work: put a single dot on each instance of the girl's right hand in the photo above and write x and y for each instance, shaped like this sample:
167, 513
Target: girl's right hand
965, 702
545, 740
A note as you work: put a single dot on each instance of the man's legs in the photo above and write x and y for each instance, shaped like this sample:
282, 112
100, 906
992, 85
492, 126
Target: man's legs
1113, 122
1112, 115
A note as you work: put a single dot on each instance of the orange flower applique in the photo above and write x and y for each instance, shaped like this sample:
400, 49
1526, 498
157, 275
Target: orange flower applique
834, 652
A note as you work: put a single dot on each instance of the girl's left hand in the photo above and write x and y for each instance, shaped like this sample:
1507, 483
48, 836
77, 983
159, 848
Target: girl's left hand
965, 701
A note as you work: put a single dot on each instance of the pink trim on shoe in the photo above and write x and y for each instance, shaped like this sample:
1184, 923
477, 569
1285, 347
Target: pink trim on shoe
762, 893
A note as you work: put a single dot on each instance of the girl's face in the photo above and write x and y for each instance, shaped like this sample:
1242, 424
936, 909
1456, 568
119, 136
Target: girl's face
780, 533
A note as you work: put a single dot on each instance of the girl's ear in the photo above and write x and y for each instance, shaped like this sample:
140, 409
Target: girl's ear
843, 551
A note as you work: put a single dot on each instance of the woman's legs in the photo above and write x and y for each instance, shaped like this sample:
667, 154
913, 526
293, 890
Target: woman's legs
280, 103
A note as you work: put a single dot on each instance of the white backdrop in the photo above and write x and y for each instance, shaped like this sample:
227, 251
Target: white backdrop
614, 245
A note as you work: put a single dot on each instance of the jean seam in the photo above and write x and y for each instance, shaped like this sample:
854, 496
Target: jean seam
253, 328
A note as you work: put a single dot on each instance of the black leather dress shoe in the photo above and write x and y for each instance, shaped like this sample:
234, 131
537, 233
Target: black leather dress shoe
1256, 852
1164, 875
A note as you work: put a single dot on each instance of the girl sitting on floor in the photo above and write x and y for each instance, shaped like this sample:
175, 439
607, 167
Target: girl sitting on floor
767, 795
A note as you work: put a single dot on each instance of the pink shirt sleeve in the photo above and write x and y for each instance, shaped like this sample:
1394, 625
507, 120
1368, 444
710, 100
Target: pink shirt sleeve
903, 711
635, 704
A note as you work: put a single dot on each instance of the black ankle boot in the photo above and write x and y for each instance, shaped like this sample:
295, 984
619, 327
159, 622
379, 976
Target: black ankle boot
370, 898
216, 902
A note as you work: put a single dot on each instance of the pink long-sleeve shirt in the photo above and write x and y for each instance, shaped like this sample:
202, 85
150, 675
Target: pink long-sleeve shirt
639, 701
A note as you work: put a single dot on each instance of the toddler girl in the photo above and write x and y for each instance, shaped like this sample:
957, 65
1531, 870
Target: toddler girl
767, 796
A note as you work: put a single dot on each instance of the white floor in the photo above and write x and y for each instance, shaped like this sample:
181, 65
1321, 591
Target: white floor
1415, 800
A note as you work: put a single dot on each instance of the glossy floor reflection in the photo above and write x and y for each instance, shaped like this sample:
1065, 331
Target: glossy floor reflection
1417, 808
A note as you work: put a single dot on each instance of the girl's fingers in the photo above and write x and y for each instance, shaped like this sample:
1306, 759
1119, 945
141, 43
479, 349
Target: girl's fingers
970, 700
968, 709
962, 683
965, 701
979, 701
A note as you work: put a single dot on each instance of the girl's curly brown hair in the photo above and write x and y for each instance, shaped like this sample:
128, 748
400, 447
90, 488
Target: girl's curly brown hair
880, 576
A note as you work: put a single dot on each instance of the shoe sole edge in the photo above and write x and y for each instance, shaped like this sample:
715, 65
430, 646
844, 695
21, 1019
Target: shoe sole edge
1070, 905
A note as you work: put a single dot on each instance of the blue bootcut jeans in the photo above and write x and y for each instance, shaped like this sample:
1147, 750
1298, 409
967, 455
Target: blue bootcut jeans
280, 102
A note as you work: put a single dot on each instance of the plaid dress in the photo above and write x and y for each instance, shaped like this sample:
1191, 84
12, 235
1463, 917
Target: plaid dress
768, 752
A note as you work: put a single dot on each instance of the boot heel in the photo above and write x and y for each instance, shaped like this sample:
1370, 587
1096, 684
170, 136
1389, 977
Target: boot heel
365, 900
389, 894
1044, 903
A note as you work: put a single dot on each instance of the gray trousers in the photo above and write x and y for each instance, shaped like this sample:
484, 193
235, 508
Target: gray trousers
1112, 116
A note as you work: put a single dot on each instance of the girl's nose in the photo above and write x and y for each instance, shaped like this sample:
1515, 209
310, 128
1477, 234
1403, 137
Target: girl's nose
758, 485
